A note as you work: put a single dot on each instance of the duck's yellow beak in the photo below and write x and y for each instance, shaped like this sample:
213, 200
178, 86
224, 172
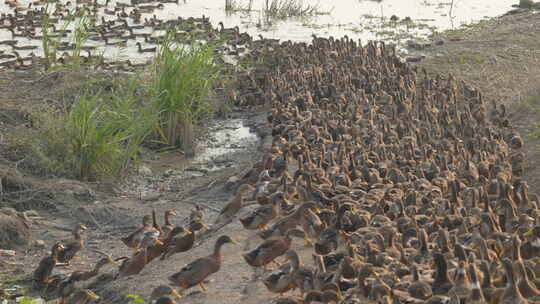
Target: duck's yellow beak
233, 242
175, 293
204, 227
158, 242
186, 231
83, 227
92, 295
528, 233
498, 281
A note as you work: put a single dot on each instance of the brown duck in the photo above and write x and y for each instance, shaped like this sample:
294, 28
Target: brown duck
185, 242
442, 283
235, 204
133, 240
71, 249
46, 266
197, 271
136, 263
158, 249
511, 294
270, 249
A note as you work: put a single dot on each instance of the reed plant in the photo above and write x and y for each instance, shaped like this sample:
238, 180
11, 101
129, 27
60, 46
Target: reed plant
51, 43
237, 6
183, 81
282, 9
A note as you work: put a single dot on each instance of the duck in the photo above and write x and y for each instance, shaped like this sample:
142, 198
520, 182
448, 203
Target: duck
327, 296
531, 248
197, 271
328, 238
442, 283
285, 223
302, 276
67, 287
312, 225
163, 291
197, 215
133, 240
235, 204
82, 296
260, 217
185, 242
136, 263
528, 290
46, 266
167, 225
280, 280
72, 248
146, 50
476, 296
159, 249
271, 249
511, 294
418, 288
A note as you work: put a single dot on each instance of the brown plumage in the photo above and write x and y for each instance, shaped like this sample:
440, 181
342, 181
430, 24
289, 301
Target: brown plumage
270, 249
197, 271
72, 248
235, 204
46, 266
185, 242
133, 240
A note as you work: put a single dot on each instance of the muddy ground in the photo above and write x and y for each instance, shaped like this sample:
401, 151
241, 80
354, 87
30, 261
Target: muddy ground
500, 57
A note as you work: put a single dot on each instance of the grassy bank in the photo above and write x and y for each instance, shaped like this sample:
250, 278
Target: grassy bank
99, 129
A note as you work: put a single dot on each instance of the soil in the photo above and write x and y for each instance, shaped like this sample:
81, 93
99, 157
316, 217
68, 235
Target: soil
499, 56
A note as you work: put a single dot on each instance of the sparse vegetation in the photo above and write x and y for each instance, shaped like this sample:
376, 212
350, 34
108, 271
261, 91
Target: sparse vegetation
282, 9
52, 43
237, 6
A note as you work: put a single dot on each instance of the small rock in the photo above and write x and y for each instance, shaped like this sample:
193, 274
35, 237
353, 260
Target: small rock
150, 196
39, 244
415, 58
144, 170
231, 183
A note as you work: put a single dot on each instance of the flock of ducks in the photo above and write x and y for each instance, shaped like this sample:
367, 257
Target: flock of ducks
148, 243
405, 188
121, 25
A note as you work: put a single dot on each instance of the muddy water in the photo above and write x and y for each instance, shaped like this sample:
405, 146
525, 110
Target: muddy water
359, 19
220, 146
355, 18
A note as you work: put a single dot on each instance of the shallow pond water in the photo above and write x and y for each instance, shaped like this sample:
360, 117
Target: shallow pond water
359, 19
355, 18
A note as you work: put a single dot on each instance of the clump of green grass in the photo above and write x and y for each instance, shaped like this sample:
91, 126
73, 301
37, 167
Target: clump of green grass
52, 43
96, 136
183, 81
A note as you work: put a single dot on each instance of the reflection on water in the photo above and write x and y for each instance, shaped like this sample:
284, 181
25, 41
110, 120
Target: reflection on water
348, 16
359, 19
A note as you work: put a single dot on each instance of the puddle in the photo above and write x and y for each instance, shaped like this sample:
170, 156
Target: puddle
225, 137
359, 19
223, 142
